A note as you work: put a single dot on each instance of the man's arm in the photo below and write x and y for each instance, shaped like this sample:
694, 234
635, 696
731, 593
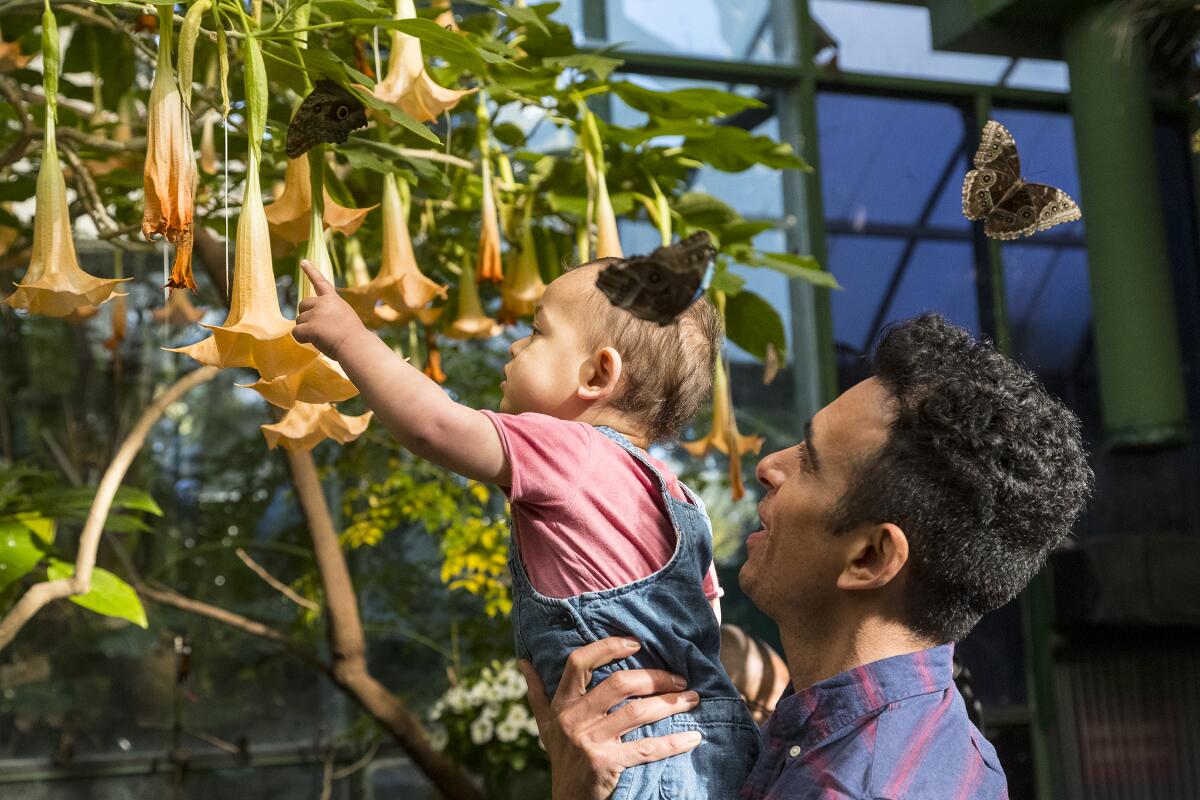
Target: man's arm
583, 739
412, 407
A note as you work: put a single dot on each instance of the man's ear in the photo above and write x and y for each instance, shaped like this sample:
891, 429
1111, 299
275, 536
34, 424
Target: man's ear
600, 374
879, 554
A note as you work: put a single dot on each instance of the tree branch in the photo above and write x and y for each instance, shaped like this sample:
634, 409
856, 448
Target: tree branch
275, 583
16, 151
89, 540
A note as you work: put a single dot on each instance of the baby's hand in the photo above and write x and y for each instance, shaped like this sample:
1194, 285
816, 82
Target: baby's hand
327, 321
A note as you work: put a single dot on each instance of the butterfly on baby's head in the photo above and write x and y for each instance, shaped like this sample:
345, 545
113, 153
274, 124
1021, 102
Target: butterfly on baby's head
660, 286
996, 193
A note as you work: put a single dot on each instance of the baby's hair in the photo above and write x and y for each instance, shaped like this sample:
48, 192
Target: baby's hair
667, 369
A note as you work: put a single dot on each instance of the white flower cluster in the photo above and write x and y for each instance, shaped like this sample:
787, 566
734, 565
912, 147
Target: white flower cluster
494, 706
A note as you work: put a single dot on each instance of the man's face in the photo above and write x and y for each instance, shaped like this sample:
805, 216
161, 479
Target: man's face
793, 563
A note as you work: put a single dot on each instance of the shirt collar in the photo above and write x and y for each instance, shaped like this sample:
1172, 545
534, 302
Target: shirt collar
809, 716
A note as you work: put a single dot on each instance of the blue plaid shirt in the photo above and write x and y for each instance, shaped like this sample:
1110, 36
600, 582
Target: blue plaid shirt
895, 729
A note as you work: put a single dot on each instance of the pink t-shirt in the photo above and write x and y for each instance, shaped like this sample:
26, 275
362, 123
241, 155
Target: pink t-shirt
588, 515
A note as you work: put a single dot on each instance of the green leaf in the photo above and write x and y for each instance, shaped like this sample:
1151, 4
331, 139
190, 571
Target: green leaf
701, 210
600, 66
727, 281
109, 595
752, 323
396, 115
19, 553
794, 266
745, 231
529, 17
732, 149
683, 103
133, 499
42, 527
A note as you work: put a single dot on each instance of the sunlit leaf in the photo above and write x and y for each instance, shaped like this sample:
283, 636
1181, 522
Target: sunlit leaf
752, 323
794, 266
684, 103
600, 66
109, 595
19, 552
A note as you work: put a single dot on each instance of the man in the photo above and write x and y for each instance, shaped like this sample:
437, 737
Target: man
921, 499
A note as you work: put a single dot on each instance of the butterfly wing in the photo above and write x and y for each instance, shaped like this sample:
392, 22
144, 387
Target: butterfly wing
1015, 216
998, 151
328, 114
660, 286
982, 191
1054, 205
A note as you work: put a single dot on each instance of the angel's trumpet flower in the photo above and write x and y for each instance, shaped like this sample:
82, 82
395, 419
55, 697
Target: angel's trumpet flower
445, 17
321, 380
169, 179
523, 286
490, 266
288, 215
307, 424
54, 284
178, 311
122, 132
724, 435
12, 58
255, 334
608, 242
373, 316
400, 283
407, 84
471, 322
433, 357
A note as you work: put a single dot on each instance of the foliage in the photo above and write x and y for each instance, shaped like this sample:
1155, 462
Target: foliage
32, 506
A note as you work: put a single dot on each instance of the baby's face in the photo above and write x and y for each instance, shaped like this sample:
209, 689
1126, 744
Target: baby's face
546, 367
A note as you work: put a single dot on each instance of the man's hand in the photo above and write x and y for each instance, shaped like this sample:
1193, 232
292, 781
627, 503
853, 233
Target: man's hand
583, 739
327, 321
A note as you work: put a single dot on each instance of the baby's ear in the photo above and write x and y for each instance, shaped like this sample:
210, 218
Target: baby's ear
600, 375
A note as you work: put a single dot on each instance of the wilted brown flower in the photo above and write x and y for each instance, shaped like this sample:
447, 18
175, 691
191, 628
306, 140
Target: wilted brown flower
407, 84
255, 333
288, 215
724, 435
169, 179
11, 56
433, 358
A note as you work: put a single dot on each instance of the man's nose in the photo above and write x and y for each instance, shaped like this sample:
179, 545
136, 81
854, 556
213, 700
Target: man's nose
771, 470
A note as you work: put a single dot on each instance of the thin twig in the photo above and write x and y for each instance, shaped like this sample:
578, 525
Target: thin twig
88, 193
16, 151
367, 758
275, 583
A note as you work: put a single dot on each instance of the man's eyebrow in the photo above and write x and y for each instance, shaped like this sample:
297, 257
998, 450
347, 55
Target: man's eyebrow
812, 448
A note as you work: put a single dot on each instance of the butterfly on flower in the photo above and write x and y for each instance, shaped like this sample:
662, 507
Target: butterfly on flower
996, 193
328, 114
660, 286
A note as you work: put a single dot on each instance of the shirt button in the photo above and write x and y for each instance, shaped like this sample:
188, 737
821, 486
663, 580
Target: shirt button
795, 751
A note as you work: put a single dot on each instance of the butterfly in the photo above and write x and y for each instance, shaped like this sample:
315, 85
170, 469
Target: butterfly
328, 114
660, 286
996, 193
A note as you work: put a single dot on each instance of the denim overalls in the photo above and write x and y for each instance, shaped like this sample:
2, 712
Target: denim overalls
668, 613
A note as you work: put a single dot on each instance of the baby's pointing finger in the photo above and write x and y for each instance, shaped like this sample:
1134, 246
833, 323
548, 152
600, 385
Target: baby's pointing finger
320, 285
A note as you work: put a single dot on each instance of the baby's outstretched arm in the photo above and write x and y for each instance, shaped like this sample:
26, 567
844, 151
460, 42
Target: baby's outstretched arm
411, 406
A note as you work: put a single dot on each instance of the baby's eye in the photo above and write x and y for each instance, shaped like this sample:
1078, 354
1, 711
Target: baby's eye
533, 331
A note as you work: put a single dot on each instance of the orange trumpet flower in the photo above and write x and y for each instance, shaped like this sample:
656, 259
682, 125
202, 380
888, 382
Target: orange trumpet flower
407, 84
288, 215
724, 435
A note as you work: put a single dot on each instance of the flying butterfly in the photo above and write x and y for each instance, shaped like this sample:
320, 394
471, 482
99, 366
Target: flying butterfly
660, 286
996, 193
328, 114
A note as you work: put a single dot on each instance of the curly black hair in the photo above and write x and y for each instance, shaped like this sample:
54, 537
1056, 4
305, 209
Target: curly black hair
983, 470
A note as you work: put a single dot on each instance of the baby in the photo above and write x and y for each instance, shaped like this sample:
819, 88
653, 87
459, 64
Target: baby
606, 541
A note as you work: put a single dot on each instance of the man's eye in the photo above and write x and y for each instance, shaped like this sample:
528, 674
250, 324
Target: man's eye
802, 454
